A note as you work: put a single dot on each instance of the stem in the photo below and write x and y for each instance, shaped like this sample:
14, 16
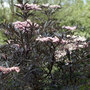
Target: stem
53, 58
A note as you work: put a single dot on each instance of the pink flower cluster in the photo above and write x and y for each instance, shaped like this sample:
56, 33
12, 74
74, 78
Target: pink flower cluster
51, 6
73, 43
45, 5
76, 42
46, 39
69, 28
82, 45
26, 25
32, 7
54, 6
52, 39
7, 70
28, 6
36, 7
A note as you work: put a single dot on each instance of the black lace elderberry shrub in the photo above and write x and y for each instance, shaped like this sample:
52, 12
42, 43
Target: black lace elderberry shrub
44, 55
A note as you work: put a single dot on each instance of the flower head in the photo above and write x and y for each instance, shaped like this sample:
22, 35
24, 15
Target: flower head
51, 6
28, 6
45, 5
69, 28
8, 70
55, 6
32, 7
26, 25
46, 39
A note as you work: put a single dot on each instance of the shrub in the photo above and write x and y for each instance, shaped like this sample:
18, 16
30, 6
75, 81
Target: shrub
41, 49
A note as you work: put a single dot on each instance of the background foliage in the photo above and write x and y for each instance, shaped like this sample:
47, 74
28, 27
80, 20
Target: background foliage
74, 12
